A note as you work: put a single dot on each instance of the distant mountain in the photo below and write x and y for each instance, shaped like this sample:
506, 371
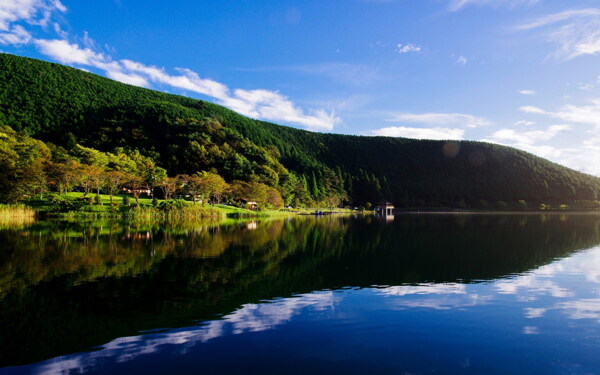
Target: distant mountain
59, 104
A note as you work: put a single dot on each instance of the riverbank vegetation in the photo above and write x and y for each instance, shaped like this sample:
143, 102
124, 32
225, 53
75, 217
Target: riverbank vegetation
58, 179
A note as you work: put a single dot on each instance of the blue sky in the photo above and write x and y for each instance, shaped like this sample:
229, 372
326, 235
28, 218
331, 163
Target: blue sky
523, 73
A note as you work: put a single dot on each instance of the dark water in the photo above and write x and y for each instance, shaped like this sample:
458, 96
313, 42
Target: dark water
421, 294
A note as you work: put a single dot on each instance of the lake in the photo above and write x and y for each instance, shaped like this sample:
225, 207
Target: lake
410, 294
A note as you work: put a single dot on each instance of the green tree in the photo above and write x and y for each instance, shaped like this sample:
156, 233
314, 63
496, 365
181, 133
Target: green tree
114, 182
215, 185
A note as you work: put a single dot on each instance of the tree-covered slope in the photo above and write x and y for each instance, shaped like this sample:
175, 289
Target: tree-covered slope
59, 104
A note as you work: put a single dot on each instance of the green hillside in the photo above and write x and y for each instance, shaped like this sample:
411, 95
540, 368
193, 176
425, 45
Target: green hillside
65, 106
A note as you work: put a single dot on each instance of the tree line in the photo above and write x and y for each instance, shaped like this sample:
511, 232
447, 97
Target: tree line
31, 167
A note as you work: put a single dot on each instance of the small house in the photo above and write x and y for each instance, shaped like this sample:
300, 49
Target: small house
248, 204
386, 208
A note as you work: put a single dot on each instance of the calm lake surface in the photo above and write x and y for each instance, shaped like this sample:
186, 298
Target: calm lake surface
413, 294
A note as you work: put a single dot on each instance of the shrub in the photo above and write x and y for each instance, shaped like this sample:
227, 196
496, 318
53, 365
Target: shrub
172, 204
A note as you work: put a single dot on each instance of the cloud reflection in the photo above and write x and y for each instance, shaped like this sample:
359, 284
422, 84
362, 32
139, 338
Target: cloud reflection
248, 318
581, 309
433, 296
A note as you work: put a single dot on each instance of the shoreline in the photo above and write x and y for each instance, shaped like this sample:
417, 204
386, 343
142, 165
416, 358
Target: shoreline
496, 212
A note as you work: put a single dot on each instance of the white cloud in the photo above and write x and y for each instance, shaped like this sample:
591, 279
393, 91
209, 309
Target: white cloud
131, 79
67, 53
461, 119
525, 123
527, 92
587, 86
529, 137
421, 133
586, 114
577, 158
31, 11
276, 107
187, 80
462, 60
531, 109
576, 32
16, 35
443, 126
459, 4
406, 48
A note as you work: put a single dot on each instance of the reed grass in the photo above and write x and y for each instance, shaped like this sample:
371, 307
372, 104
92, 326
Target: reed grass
16, 211
16, 215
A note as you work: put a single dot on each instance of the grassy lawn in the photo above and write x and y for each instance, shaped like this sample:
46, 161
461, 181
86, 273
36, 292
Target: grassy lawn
44, 205
81, 208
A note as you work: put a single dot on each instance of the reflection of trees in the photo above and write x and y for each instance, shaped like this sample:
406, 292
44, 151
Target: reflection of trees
68, 286
42, 253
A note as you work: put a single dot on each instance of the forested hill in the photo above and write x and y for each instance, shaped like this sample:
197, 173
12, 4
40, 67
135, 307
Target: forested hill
66, 106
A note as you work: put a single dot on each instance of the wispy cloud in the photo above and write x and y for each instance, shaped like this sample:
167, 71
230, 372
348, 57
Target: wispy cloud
587, 86
525, 123
441, 126
529, 137
527, 92
421, 133
261, 104
576, 157
576, 32
462, 60
30, 12
586, 114
16, 35
455, 5
407, 48
443, 119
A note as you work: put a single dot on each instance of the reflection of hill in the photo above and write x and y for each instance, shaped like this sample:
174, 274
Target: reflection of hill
68, 288
456, 248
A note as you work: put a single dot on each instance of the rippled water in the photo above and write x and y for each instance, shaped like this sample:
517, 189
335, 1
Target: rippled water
418, 294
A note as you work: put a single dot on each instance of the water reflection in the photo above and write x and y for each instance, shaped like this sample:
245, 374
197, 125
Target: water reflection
68, 287
248, 318
449, 312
